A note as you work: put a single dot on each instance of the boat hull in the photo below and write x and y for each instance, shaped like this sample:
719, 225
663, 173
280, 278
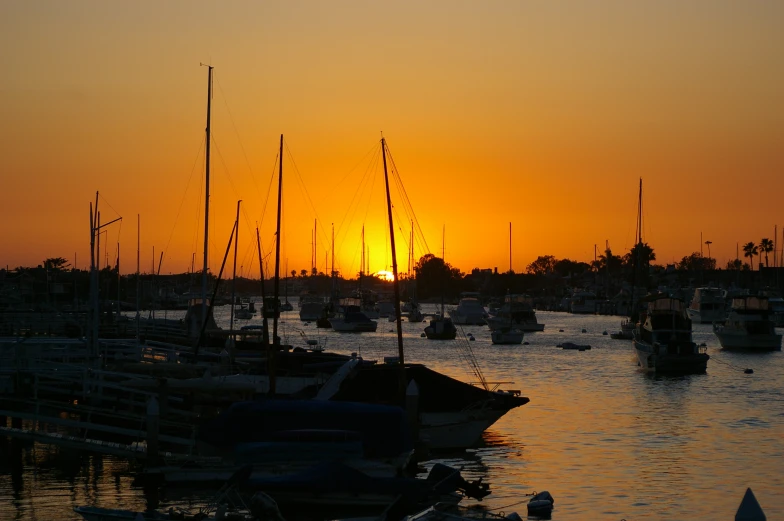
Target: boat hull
456, 430
507, 337
745, 342
341, 326
651, 361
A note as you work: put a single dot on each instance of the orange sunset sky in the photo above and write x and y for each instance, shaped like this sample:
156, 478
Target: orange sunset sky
542, 114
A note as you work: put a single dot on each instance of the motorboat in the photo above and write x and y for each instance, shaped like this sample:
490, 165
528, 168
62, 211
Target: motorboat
517, 311
583, 302
749, 326
469, 312
351, 320
626, 332
507, 335
312, 309
663, 342
441, 328
707, 306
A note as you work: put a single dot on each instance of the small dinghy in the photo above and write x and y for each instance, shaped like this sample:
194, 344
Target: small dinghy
541, 505
572, 345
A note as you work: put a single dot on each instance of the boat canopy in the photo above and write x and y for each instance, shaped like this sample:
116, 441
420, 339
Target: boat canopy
751, 303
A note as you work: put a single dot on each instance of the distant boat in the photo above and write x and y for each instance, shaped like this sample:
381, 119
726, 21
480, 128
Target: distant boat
583, 302
441, 328
517, 311
351, 320
508, 335
626, 332
707, 306
749, 326
469, 311
664, 341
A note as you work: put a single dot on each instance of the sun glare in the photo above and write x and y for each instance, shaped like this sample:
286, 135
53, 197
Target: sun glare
385, 275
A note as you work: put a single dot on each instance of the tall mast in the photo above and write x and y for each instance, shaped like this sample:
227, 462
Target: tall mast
234, 271
138, 263
206, 198
277, 250
510, 247
362, 261
395, 283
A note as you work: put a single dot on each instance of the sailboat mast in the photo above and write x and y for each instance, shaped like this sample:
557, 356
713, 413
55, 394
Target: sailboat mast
510, 247
395, 283
264, 329
277, 250
206, 198
234, 270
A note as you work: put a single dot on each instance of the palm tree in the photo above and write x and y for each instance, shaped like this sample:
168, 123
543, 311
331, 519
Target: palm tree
750, 250
766, 246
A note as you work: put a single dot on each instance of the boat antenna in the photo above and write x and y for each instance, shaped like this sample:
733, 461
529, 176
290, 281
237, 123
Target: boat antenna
395, 283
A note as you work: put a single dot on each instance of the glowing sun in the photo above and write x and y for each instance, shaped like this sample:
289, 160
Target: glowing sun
385, 275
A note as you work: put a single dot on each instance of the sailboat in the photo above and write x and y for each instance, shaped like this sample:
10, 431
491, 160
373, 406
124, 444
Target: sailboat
452, 414
286, 306
507, 333
441, 326
629, 325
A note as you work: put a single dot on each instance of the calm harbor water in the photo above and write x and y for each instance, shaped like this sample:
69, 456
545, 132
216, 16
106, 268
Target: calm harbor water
606, 440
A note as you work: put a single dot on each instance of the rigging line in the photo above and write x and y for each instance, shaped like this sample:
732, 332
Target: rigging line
369, 174
404, 193
226, 168
185, 194
367, 178
373, 150
197, 229
363, 180
304, 188
107, 202
269, 190
242, 147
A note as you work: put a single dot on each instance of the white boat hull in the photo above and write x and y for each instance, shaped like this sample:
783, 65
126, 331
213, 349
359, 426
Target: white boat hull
454, 430
499, 322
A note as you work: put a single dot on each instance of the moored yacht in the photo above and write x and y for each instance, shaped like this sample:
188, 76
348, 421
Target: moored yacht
663, 340
583, 302
441, 328
517, 311
469, 311
707, 305
352, 320
507, 335
749, 326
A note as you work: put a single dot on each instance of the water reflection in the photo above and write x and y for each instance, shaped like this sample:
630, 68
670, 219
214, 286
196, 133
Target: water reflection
608, 441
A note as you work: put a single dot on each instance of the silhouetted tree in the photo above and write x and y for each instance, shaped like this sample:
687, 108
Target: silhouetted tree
543, 265
567, 267
696, 262
750, 250
435, 277
56, 263
765, 246
303, 273
734, 264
